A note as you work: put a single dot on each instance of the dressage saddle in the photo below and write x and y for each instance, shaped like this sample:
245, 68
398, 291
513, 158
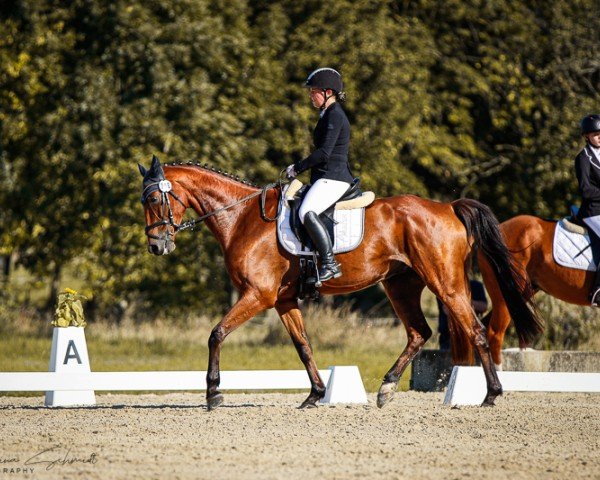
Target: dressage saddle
352, 198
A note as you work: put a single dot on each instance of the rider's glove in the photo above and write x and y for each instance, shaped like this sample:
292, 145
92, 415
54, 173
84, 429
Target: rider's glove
290, 172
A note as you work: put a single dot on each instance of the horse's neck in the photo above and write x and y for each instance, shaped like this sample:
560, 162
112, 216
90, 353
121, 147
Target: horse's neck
215, 192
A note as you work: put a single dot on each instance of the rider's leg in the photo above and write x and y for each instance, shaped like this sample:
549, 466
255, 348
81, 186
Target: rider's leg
320, 237
322, 194
593, 224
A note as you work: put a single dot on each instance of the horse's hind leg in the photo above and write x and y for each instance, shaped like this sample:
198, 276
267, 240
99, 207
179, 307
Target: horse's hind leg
292, 319
404, 293
244, 309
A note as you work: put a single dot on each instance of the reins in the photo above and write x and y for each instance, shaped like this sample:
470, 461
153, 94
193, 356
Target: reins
191, 224
165, 188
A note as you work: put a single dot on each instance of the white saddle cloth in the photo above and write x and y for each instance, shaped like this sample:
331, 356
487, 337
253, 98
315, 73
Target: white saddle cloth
571, 249
348, 230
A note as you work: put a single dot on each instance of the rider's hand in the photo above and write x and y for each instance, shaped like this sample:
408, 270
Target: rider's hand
290, 172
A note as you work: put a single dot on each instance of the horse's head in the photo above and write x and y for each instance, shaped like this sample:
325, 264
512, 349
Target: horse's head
163, 209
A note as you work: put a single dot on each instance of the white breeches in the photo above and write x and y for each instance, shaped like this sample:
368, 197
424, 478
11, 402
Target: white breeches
321, 195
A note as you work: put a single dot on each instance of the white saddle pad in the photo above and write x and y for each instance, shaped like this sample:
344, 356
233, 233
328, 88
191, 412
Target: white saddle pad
572, 250
348, 230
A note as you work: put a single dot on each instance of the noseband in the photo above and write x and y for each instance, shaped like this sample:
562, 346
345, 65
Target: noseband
165, 188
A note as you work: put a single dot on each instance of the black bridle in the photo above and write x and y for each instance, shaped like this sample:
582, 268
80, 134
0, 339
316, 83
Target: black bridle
165, 188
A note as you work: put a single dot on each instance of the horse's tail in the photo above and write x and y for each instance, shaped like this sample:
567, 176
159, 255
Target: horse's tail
483, 227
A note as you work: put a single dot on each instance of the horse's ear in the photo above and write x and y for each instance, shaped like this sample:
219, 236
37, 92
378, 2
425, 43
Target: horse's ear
142, 169
155, 162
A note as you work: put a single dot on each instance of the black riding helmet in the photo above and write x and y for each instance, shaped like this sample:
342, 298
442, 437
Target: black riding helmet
590, 123
325, 78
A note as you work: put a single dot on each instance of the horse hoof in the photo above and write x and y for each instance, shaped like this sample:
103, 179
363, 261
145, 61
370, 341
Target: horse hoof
312, 399
489, 400
386, 393
307, 404
214, 401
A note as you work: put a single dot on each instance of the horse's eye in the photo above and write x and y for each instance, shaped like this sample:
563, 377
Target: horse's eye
154, 200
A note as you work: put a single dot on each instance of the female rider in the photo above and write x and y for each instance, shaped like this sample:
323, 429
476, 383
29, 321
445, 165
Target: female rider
330, 175
587, 168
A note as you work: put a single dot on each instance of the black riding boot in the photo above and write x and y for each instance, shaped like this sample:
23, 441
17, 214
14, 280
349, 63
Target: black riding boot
318, 234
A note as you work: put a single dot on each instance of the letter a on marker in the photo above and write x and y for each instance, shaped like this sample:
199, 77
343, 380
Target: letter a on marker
69, 355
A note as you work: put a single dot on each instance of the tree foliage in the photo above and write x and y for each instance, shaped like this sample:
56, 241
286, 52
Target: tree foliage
446, 99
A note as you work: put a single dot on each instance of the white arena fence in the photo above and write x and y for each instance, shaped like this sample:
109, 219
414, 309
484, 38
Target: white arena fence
344, 383
70, 380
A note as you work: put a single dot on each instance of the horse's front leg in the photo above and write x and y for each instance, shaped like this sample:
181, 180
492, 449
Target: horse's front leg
499, 321
494, 387
292, 319
464, 315
244, 309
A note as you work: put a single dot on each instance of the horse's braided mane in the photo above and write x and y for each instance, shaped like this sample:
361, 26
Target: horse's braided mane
210, 168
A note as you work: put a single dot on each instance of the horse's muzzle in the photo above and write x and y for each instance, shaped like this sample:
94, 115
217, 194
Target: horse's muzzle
161, 247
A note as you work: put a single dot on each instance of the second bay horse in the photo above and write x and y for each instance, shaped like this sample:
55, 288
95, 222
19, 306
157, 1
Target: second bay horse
530, 240
409, 243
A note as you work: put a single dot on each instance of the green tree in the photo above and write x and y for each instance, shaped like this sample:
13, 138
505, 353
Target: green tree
506, 99
446, 99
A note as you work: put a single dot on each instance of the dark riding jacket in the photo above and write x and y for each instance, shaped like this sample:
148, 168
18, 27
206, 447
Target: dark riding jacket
587, 168
331, 139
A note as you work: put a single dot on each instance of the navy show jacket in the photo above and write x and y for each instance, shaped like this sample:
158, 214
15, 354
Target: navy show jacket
331, 138
587, 169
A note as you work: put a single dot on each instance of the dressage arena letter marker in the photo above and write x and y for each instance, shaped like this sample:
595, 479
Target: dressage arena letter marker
69, 355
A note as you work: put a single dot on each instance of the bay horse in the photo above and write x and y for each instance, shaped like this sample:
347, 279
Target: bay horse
530, 241
409, 243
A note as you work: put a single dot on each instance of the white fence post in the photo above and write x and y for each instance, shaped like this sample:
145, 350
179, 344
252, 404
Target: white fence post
467, 384
345, 386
